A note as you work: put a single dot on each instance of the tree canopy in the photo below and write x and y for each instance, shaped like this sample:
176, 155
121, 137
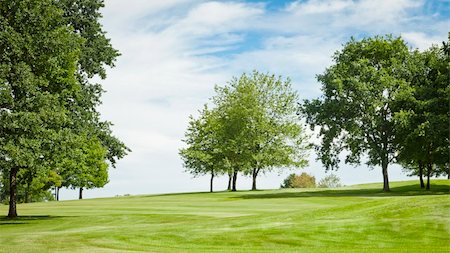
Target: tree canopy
360, 94
252, 127
383, 103
423, 121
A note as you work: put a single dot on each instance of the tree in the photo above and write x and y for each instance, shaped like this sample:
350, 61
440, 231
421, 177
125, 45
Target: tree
330, 181
203, 154
96, 53
262, 130
234, 117
86, 167
357, 108
422, 122
38, 56
278, 139
303, 180
48, 52
252, 128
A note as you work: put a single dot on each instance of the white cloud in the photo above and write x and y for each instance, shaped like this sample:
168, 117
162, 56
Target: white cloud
346, 14
122, 16
218, 17
317, 6
421, 41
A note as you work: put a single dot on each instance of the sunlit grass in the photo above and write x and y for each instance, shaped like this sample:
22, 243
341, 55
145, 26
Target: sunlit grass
353, 219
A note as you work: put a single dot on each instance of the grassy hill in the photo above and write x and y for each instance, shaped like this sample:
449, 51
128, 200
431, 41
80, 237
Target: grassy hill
354, 219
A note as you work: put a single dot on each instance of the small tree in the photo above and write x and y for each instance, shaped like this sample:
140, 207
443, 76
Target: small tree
204, 153
303, 180
330, 181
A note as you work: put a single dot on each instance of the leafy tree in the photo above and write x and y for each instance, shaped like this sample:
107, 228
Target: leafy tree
252, 128
87, 167
48, 52
203, 154
303, 180
262, 130
233, 121
96, 53
38, 56
329, 181
422, 122
357, 108
278, 139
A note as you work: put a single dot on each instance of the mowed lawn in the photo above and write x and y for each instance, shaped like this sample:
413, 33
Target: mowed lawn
353, 219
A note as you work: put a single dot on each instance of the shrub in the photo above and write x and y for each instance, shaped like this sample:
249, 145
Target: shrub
303, 180
330, 181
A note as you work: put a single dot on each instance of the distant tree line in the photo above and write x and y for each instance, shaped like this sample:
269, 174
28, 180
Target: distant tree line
51, 134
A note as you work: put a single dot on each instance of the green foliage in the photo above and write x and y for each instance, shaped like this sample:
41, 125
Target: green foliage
48, 116
329, 181
253, 127
423, 121
303, 180
83, 16
361, 92
38, 61
203, 154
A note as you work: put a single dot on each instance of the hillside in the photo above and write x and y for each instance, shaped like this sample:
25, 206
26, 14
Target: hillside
350, 219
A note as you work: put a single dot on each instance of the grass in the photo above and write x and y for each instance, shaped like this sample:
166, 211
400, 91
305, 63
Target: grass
354, 219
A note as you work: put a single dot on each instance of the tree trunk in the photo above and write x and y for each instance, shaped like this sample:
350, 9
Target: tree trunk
27, 190
211, 183
385, 133
254, 175
57, 193
422, 185
448, 171
230, 178
81, 193
429, 168
234, 181
13, 193
29, 181
385, 177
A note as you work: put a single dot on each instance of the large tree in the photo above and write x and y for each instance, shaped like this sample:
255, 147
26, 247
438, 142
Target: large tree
360, 92
48, 51
38, 57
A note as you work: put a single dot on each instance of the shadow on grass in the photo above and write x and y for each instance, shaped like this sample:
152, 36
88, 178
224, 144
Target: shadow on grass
26, 219
409, 190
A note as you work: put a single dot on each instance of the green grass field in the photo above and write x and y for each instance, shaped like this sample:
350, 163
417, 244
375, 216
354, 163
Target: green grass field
354, 219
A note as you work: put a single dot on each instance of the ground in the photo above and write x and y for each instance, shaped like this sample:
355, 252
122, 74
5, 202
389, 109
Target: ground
353, 219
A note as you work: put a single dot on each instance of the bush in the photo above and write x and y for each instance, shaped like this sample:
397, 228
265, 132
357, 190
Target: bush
330, 181
303, 180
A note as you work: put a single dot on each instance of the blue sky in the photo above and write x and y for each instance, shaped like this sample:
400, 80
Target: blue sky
175, 51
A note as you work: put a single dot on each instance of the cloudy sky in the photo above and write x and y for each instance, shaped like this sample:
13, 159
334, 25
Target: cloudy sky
175, 51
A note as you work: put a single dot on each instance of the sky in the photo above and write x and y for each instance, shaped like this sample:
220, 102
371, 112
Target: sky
175, 51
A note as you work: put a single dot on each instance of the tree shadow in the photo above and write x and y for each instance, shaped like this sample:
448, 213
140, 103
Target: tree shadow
409, 190
20, 220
